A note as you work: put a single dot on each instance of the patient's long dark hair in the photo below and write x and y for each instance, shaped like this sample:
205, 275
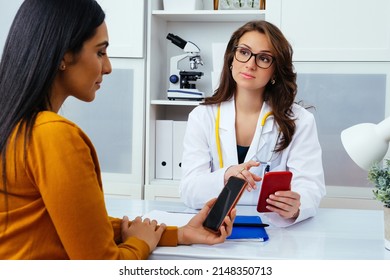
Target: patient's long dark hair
40, 35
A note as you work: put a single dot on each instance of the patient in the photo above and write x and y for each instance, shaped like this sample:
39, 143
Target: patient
52, 203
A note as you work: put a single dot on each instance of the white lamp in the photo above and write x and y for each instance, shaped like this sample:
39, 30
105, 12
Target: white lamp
367, 143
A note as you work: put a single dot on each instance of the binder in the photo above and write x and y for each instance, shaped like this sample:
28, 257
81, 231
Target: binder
248, 228
164, 135
179, 129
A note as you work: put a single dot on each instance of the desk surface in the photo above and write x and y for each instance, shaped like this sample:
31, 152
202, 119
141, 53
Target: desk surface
332, 234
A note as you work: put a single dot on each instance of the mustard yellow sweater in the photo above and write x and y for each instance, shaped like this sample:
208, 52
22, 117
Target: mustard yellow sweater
55, 204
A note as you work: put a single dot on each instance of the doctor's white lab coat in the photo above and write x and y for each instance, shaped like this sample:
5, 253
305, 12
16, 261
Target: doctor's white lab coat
203, 179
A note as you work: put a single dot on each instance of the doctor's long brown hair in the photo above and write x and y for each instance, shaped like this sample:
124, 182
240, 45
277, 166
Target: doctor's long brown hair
280, 95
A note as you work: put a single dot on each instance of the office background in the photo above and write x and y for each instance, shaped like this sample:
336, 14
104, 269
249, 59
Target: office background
341, 54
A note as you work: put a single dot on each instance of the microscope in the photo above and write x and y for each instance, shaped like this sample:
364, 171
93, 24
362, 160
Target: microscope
182, 83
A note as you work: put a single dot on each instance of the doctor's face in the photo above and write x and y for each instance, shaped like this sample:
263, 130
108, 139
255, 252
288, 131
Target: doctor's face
248, 75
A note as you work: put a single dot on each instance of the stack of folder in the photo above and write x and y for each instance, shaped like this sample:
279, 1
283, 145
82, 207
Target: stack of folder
248, 228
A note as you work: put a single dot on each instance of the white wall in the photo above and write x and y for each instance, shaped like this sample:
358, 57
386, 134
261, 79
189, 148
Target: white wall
7, 12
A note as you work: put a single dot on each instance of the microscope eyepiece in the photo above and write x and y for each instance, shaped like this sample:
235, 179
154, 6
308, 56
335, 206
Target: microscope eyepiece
177, 40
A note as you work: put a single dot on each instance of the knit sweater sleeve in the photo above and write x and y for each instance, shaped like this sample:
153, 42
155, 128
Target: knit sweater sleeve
169, 237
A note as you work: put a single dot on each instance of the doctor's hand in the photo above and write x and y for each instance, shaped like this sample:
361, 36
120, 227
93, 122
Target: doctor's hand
195, 233
242, 171
285, 203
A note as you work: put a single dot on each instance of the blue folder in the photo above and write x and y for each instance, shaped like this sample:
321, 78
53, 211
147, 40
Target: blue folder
254, 231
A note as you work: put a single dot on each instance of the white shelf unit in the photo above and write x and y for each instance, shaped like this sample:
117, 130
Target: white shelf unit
333, 30
202, 27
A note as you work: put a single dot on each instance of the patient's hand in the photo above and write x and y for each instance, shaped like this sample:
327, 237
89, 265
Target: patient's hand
195, 233
146, 230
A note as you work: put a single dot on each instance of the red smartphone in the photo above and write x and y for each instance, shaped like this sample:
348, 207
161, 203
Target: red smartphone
225, 202
272, 182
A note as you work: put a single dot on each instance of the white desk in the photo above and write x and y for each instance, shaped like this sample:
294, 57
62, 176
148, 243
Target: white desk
332, 234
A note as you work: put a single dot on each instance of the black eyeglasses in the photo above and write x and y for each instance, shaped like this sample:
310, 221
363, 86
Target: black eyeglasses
263, 60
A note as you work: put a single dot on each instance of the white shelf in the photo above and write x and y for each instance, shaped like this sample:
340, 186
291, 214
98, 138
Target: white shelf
210, 15
203, 27
164, 182
167, 192
175, 102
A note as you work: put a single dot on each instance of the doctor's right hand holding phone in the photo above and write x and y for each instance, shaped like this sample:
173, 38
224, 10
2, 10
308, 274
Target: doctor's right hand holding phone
252, 126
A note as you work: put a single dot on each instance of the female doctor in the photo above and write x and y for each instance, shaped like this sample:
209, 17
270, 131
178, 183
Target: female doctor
251, 125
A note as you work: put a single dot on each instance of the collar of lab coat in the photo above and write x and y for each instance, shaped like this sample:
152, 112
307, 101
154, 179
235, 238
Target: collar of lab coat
227, 132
